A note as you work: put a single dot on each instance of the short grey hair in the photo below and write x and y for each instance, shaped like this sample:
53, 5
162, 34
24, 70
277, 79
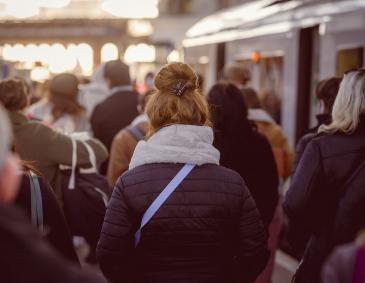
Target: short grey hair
5, 136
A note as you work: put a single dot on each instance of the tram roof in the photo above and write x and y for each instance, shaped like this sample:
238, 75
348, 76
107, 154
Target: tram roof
264, 17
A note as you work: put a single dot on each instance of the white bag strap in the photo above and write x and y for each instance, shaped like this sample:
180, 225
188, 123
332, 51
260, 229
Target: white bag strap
162, 197
71, 183
92, 156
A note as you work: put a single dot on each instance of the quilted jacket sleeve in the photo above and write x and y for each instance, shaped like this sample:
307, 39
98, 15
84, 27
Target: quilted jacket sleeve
252, 252
116, 243
306, 194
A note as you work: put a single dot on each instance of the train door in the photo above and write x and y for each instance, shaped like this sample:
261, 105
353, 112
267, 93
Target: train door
308, 69
267, 80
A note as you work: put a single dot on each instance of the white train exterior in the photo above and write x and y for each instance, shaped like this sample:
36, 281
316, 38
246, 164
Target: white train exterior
298, 44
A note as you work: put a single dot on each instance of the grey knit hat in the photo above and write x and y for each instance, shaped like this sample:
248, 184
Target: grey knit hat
5, 136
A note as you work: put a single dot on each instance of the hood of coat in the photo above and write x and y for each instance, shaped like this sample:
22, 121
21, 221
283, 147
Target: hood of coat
177, 144
260, 115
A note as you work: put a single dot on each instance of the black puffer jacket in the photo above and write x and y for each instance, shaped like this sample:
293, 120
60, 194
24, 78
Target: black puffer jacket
314, 204
209, 230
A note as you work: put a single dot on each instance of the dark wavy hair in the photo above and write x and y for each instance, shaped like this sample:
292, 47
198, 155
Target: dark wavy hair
14, 94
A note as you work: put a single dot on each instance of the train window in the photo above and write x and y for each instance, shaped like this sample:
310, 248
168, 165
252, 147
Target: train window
348, 59
267, 79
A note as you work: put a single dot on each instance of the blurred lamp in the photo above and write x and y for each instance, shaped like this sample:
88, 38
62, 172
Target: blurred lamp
174, 56
53, 3
134, 9
256, 57
203, 60
109, 52
140, 53
39, 74
22, 9
138, 28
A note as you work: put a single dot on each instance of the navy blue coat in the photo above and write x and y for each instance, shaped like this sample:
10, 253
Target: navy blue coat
209, 230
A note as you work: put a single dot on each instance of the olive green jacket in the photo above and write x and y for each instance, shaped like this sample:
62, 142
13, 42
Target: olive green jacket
49, 149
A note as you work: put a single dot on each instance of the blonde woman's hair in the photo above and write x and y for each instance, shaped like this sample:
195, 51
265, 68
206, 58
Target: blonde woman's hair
177, 99
349, 104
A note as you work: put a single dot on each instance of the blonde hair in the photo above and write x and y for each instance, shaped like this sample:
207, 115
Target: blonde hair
177, 99
349, 104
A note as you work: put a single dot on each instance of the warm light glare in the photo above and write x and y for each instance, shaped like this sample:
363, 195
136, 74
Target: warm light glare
39, 74
85, 57
174, 56
22, 9
139, 28
109, 52
136, 9
53, 3
140, 53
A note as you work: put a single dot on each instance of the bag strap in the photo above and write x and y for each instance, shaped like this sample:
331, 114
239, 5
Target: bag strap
36, 202
162, 197
92, 156
71, 183
136, 132
359, 268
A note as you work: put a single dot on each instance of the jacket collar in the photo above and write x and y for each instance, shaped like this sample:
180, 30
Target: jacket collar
121, 88
177, 144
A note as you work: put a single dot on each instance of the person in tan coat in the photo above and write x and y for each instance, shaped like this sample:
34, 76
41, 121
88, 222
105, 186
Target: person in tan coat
266, 125
125, 141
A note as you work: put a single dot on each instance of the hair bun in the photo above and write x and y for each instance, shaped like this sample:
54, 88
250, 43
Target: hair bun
176, 78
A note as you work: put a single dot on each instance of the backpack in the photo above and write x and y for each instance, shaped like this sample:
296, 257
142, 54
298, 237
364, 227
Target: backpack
85, 196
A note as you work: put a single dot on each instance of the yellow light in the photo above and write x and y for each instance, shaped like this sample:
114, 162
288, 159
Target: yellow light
140, 53
109, 52
22, 9
138, 28
39, 74
57, 58
53, 3
136, 9
174, 56
85, 58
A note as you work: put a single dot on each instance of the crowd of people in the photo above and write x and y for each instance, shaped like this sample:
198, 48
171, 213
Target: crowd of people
174, 184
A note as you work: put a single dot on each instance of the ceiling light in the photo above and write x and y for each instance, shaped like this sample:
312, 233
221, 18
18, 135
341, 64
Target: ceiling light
22, 9
136, 9
109, 52
138, 28
174, 56
140, 53
53, 3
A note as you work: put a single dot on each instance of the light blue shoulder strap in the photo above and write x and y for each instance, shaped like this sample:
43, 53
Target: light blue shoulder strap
36, 202
162, 197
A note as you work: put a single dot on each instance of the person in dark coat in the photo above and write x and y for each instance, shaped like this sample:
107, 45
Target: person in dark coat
242, 148
54, 222
326, 93
24, 256
118, 110
209, 229
317, 204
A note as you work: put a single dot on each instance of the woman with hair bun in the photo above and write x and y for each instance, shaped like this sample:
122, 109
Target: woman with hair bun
208, 228
326, 199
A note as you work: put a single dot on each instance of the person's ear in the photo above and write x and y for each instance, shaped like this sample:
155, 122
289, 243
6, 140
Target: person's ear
9, 179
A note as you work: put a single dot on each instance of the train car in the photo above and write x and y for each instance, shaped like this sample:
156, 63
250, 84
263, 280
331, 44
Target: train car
288, 45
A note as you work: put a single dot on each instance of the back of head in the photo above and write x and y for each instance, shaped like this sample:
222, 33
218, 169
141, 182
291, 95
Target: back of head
177, 99
327, 91
349, 104
237, 74
117, 73
63, 92
228, 109
251, 98
13, 94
